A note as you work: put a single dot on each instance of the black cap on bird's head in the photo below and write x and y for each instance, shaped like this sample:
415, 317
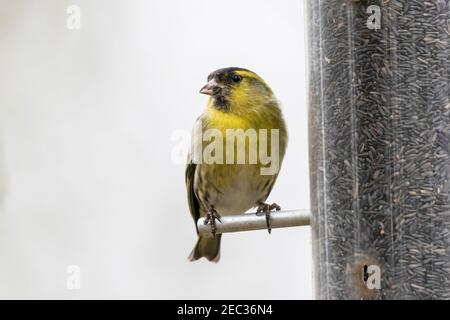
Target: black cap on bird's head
222, 82
219, 78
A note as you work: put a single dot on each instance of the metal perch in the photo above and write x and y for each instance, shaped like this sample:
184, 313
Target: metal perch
251, 221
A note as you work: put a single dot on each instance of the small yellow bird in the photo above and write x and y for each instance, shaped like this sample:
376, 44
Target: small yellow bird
239, 100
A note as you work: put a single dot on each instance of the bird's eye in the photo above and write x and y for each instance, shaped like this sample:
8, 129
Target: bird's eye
236, 78
209, 77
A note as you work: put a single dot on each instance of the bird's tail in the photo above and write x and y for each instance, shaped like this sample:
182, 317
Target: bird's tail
208, 248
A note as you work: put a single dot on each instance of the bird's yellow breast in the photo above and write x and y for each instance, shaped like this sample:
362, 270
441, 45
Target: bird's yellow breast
222, 120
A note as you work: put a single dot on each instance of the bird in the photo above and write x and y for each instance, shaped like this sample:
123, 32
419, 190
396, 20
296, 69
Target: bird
239, 99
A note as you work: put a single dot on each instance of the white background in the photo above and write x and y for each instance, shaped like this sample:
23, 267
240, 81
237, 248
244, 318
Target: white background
87, 175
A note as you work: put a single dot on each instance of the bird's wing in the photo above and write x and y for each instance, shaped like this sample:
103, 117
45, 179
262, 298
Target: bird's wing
194, 205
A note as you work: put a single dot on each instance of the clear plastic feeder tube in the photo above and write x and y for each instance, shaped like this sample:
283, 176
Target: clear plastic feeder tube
379, 133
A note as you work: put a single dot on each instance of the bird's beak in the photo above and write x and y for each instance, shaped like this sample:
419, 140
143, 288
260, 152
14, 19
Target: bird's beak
211, 88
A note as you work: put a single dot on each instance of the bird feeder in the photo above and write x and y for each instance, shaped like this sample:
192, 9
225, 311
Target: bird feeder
379, 122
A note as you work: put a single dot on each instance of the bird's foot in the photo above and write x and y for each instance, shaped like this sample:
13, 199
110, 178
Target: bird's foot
266, 209
210, 218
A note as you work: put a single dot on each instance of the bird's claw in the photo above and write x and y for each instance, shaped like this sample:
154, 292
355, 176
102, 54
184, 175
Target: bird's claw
210, 218
266, 209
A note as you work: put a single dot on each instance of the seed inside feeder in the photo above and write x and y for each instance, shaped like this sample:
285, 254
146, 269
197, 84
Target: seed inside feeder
380, 143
